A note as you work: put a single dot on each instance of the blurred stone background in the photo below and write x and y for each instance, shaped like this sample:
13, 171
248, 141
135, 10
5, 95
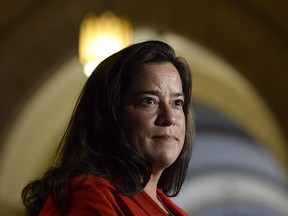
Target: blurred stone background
238, 51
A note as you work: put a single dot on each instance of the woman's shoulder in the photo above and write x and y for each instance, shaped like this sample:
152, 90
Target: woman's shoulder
88, 195
90, 183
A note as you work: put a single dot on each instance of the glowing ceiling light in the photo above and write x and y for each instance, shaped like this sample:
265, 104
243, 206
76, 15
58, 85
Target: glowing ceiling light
101, 36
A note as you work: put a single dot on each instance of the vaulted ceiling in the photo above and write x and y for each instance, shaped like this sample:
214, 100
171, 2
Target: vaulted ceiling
37, 37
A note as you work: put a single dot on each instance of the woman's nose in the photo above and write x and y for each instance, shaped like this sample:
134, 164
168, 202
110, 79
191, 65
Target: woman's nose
166, 116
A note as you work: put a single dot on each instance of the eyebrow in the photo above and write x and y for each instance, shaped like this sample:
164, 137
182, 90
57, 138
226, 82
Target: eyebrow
155, 92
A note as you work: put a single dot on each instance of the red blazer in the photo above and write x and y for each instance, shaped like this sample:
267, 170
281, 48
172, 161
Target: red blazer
96, 196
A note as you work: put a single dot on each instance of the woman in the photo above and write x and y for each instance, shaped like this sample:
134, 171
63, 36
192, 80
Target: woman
129, 141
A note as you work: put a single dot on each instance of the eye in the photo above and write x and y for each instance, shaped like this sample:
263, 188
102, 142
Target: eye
179, 103
148, 101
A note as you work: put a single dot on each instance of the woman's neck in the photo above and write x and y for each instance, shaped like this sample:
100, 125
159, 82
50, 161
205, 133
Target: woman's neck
151, 187
151, 190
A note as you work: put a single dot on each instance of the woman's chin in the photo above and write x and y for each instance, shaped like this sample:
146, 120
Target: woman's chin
163, 162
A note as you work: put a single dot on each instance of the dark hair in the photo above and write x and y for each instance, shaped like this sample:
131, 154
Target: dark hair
95, 143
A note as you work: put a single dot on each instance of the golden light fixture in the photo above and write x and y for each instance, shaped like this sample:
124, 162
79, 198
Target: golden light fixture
101, 36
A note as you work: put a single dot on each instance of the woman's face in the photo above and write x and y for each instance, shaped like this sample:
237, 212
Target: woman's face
152, 114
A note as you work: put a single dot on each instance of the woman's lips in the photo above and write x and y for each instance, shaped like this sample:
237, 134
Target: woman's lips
164, 137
